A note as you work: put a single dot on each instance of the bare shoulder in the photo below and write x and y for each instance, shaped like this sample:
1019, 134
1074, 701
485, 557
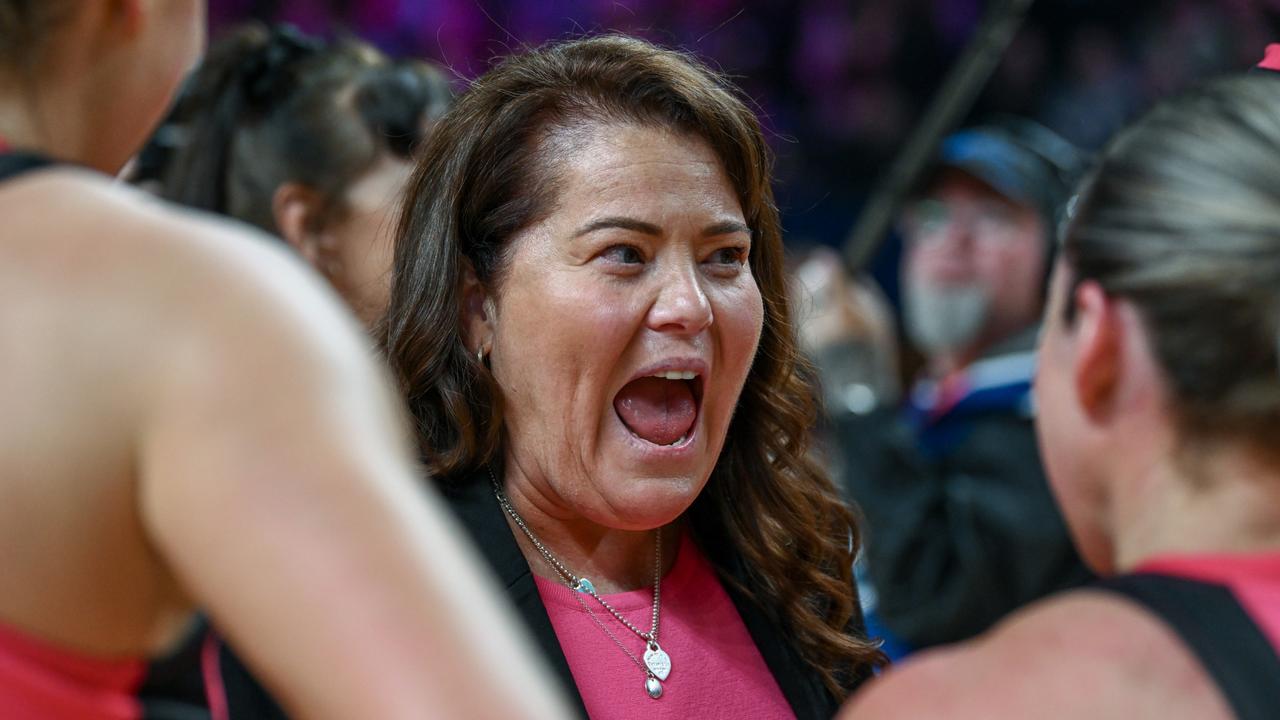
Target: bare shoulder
1081, 654
177, 308
100, 244
138, 339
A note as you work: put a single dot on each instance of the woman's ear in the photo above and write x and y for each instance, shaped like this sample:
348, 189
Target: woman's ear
297, 210
131, 14
1098, 350
105, 24
478, 312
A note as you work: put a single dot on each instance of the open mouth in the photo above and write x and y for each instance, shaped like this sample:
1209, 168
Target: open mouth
661, 408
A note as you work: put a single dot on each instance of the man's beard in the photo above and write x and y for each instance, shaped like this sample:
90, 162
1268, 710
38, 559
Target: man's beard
943, 318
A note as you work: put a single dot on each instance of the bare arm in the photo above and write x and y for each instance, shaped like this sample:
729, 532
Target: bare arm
276, 480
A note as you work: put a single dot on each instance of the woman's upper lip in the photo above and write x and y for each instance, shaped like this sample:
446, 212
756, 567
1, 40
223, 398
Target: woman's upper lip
696, 365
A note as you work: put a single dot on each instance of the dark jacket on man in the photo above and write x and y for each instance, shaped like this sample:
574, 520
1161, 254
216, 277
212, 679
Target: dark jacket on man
961, 527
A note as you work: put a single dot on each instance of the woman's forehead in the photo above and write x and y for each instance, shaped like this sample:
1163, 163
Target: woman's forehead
632, 165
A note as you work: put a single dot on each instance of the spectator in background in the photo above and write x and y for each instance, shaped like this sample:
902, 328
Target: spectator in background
961, 528
310, 141
1159, 394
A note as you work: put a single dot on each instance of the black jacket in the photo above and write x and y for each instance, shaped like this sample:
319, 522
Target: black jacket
475, 505
961, 527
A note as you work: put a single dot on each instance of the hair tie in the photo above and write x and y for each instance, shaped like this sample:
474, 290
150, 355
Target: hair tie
265, 72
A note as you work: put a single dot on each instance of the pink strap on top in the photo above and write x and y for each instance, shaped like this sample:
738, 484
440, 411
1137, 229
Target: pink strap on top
1254, 579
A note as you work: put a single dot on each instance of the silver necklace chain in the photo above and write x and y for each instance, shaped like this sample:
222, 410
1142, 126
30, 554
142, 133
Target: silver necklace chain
596, 618
654, 673
584, 585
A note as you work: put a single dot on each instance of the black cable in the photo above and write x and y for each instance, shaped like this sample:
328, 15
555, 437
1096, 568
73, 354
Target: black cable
959, 91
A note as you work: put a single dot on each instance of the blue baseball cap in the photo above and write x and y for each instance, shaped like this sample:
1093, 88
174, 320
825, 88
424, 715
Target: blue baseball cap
1020, 159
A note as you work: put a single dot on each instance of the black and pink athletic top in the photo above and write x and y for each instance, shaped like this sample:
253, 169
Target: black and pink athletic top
42, 681
39, 680
1226, 610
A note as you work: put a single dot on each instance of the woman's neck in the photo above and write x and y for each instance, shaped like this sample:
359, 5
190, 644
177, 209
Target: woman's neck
50, 120
614, 560
1227, 502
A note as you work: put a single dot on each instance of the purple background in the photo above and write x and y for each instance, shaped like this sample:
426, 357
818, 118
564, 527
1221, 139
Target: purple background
839, 83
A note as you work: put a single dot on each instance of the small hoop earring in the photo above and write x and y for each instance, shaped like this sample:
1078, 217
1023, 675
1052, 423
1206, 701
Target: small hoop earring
480, 354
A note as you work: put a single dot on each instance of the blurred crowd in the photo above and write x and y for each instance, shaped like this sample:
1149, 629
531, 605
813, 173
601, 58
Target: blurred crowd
838, 85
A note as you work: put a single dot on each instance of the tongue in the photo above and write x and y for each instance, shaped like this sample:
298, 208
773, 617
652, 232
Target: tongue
660, 411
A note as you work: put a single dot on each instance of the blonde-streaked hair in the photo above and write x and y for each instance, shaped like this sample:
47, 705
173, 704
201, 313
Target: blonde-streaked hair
1182, 218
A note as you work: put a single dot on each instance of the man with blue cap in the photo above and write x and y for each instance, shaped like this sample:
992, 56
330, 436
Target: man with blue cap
961, 526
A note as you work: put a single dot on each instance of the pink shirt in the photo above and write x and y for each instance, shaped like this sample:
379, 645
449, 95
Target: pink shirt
716, 670
1253, 578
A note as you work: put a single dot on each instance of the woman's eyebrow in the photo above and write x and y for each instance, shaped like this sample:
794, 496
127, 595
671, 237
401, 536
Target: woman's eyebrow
623, 223
726, 227
723, 227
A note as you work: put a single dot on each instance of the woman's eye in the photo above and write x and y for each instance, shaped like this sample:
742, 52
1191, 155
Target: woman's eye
729, 256
623, 254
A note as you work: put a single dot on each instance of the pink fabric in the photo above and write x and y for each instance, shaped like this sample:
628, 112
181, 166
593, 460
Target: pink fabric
39, 681
1254, 579
215, 691
716, 670
1271, 58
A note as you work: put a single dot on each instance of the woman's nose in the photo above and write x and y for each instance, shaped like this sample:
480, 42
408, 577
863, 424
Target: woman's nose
681, 305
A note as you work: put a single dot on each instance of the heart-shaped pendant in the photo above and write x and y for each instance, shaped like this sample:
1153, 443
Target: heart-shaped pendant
658, 661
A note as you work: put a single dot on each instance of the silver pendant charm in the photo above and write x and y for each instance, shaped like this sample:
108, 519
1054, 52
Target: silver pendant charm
653, 687
658, 661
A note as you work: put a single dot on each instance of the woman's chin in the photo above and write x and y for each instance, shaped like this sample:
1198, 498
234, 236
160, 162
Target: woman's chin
648, 502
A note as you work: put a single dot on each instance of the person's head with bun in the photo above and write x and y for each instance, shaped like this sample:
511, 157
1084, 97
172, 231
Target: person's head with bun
1160, 349
309, 140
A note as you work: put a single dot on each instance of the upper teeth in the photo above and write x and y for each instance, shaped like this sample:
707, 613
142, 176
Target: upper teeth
676, 375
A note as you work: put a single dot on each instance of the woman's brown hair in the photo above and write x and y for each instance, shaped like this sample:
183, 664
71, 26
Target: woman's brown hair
1182, 218
483, 175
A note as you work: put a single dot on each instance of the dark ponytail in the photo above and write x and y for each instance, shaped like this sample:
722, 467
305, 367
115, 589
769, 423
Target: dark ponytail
272, 106
232, 89
399, 101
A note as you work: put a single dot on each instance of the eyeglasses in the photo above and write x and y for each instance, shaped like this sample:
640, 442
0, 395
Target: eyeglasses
930, 219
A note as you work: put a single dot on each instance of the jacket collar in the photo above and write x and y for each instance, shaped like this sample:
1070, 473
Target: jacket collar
479, 511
